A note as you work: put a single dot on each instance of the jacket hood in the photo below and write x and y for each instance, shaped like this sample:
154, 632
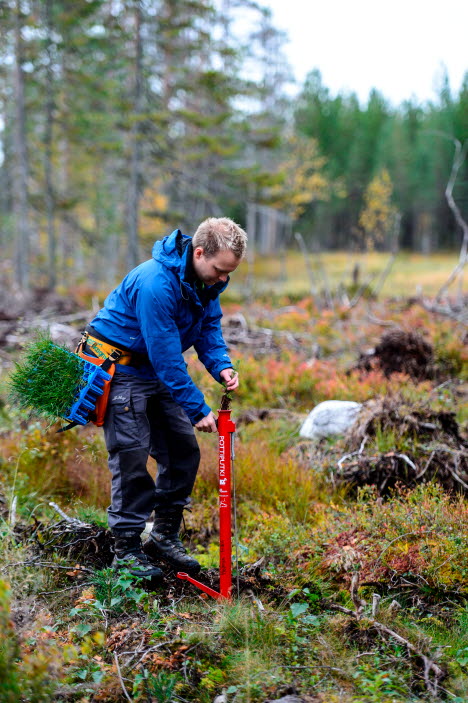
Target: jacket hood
170, 250
172, 253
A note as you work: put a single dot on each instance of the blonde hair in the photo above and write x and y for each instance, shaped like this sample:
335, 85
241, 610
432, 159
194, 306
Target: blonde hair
220, 234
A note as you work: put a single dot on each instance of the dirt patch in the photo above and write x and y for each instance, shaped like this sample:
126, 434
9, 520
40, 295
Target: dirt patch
92, 547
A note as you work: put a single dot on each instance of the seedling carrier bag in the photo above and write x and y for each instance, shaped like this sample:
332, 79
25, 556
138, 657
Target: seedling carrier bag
51, 381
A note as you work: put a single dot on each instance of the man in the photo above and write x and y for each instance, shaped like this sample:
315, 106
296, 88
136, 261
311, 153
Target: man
160, 309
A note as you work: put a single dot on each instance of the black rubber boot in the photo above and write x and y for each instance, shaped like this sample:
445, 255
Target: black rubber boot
164, 543
129, 555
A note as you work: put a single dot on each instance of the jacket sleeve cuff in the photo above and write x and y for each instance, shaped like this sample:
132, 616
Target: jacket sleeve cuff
199, 416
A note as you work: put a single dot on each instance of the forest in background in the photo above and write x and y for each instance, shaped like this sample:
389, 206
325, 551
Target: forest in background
121, 120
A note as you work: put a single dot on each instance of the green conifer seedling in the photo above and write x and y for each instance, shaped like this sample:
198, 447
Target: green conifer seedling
47, 379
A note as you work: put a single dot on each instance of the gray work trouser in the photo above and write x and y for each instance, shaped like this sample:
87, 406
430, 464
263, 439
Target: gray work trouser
143, 420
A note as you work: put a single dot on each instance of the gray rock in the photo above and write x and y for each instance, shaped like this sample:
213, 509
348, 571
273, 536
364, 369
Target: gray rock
332, 417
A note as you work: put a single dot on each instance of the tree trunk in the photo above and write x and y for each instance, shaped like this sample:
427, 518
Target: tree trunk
133, 205
21, 198
48, 140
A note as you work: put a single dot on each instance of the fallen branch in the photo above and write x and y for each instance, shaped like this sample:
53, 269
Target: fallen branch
50, 564
382, 323
116, 659
68, 588
407, 460
457, 478
446, 311
421, 473
429, 665
71, 520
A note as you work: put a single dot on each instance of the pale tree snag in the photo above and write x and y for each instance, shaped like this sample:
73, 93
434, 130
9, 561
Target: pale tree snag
458, 159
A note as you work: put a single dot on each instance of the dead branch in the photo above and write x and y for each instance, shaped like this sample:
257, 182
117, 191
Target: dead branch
116, 659
434, 306
71, 520
382, 323
397, 539
312, 280
148, 651
456, 476
77, 540
384, 275
429, 664
326, 282
458, 159
49, 564
68, 588
365, 286
359, 604
407, 460
376, 598
421, 473
236, 331
460, 316
430, 667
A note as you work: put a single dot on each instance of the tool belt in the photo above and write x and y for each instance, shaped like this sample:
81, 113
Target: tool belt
102, 348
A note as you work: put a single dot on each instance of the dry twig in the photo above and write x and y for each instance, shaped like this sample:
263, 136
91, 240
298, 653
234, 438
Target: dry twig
71, 520
116, 659
430, 667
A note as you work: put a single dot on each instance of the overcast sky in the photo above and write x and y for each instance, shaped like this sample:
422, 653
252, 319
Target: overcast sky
399, 47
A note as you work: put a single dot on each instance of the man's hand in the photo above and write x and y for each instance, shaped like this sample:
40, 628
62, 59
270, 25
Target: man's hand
207, 424
230, 378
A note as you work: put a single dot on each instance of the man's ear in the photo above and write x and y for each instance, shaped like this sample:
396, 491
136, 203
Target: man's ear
198, 252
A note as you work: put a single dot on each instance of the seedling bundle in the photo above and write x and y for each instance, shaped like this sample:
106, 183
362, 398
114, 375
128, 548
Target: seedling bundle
51, 381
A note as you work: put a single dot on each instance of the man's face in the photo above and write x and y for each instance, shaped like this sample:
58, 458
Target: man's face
215, 268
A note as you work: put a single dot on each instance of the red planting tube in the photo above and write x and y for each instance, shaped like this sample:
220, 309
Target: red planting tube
226, 427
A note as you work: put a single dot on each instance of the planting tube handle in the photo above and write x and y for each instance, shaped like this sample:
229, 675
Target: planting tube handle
224, 422
201, 586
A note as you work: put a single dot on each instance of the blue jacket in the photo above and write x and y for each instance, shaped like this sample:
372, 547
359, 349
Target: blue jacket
157, 311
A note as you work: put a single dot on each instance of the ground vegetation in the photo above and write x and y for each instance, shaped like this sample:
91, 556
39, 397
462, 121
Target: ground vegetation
351, 571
